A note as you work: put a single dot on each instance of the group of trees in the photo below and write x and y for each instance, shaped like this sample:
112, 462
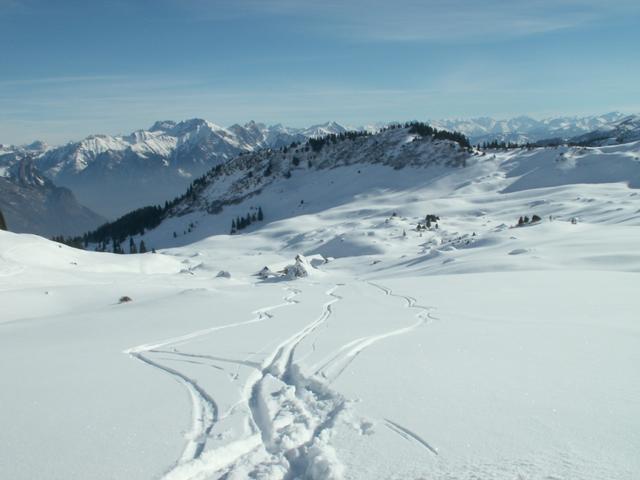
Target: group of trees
525, 220
316, 144
425, 130
241, 223
131, 224
111, 235
496, 145
418, 128
134, 249
75, 242
429, 220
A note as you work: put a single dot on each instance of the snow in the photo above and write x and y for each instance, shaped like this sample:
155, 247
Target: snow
474, 350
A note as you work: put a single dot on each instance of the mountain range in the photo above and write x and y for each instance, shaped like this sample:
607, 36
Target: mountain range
524, 129
112, 175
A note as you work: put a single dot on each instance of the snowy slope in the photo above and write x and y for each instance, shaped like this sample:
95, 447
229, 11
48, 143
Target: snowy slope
475, 350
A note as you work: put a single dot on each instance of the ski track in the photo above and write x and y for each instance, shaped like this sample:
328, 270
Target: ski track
281, 367
350, 351
290, 414
409, 435
204, 408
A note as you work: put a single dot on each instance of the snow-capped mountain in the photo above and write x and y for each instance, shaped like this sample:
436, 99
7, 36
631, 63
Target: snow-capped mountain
316, 131
31, 203
525, 129
623, 131
114, 174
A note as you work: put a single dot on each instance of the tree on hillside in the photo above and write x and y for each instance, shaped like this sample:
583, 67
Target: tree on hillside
132, 246
3, 223
260, 215
143, 247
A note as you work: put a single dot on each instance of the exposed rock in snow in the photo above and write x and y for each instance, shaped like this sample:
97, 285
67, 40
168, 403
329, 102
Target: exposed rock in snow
300, 269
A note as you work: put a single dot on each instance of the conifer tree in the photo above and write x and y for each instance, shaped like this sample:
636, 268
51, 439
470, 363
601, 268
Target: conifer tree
3, 223
143, 247
132, 246
260, 215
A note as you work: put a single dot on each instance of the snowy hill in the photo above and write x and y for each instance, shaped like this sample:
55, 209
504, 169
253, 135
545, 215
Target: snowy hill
31, 203
299, 183
372, 346
525, 129
356, 156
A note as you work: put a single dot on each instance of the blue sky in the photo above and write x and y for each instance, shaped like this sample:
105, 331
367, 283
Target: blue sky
69, 68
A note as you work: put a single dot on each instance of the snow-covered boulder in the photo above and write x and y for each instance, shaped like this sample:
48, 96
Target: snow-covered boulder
301, 268
266, 272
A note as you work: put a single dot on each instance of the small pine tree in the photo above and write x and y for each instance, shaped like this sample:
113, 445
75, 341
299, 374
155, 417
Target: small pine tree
260, 215
132, 246
143, 247
3, 223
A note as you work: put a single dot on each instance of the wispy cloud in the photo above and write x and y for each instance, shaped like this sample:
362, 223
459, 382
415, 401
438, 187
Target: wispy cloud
70, 80
422, 20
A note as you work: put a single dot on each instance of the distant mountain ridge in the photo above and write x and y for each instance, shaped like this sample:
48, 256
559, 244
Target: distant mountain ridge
624, 131
524, 129
31, 203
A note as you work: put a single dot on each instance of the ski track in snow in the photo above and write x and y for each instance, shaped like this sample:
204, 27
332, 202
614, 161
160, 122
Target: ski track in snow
350, 351
281, 366
409, 435
290, 414
204, 408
